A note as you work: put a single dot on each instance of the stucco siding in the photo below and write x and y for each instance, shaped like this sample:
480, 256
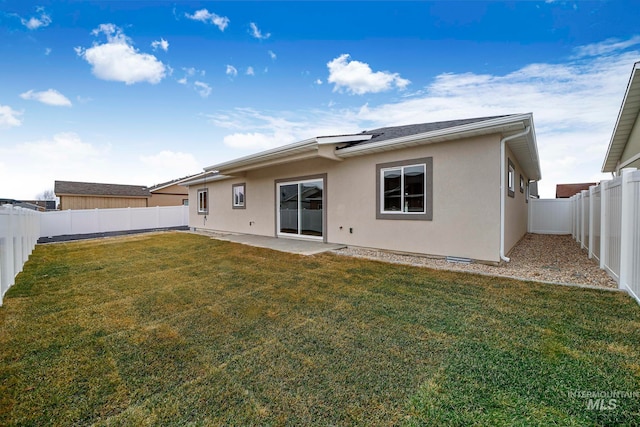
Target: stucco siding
516, 208
466, 206
173, 195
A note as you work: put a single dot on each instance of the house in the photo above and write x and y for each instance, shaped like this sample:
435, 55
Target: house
22, 203
456, 188
90, 195
624, 147
564, 191
170, 193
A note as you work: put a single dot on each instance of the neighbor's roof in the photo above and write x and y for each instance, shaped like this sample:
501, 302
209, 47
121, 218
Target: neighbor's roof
626, 119
337, 147
95, 189
564, 191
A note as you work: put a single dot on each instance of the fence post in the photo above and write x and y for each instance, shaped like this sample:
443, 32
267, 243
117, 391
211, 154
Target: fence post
626, 228
604, 237
591, 225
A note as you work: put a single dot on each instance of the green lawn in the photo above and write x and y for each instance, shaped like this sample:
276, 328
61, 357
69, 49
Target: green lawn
178, 329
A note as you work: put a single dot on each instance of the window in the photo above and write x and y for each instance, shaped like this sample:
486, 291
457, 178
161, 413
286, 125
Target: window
239, 192
203, 201
511, 179
404, 190
521, 184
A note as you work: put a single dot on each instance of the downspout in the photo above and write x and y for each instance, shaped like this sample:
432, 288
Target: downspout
503, 200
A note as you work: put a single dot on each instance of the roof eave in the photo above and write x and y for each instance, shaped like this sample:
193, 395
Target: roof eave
457, 132
620, 138
205, 178
307, 148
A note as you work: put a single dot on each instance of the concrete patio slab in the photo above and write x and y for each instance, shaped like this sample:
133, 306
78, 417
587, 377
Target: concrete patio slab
294, 246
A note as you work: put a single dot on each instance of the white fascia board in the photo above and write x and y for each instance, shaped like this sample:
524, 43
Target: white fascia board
343, 138
274, 153
204, 180
471, 129
618, 141
532, 142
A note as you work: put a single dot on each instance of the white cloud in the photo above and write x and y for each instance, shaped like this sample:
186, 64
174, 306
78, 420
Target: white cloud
203, 89
272, 55
47, 51
318, 82
231, 71
63, 147
250, 71
160, 44
41, 21
66, 156
255, 32
118, 60
203, 15
607, 46
268, 130
171, 163
49, 97
9, 117
63, 156
574, 103
357, 77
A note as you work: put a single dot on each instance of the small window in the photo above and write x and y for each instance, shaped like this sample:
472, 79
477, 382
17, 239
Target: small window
239, 195
404, 189
203, 201
185, 202
511, 179
526, 199
521, 184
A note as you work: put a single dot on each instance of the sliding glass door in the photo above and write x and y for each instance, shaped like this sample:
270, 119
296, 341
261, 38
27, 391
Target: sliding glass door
301, 205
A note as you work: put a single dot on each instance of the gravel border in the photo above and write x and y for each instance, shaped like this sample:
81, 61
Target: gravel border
547, 258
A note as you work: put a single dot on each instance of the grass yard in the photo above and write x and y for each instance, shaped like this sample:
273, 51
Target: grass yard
178, 329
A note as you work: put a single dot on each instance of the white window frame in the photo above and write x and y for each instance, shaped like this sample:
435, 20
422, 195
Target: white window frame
203, 202
299, 209
402, 194
239, 189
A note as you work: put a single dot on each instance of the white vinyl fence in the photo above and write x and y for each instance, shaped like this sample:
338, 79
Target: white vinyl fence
550, 216
606, 223
88, 221
19, 232
21, 228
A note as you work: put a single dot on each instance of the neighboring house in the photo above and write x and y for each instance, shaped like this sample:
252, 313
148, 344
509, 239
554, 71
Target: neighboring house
170, 193
89, 195
564, 191
624, 147
456, 188
23, 204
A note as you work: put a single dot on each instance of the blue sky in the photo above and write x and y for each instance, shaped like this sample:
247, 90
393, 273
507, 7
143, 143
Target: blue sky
144, 92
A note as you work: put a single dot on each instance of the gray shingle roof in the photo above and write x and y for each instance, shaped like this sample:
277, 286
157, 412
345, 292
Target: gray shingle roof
95, 189
392, 132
